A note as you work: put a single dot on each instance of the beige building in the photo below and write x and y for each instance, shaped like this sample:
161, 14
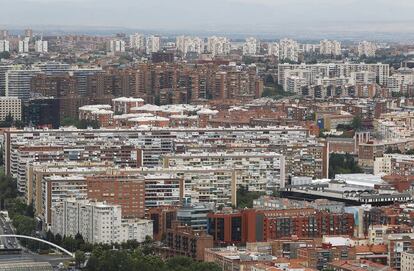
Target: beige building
407, 261
12, 106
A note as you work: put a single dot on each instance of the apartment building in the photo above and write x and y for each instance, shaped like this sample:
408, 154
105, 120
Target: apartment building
320, 257
333, 70
407, 261
330, 47
398, 243
366, 49
186, 241
252, 225
162, 218
97, 222
394, 164
117, 46
41, 46
218, 45
128, 191
10, 106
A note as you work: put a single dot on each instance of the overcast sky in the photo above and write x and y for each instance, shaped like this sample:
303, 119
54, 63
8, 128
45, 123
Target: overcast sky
203, 14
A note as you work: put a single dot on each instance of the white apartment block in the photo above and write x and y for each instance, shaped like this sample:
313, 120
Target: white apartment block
308, 47
363, 77
97, 222
330, 47
399, 82
218, 45
117, 46
24, 45
367, 49
41, 46
137, 41
273, 49
10, 106
250, 47
397, 125
153, 44
333, 71
257, 171
186, 45
289, 50
4, 46
294, 84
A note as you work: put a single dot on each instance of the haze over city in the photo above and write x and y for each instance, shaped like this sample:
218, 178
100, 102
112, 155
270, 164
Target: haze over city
301, 18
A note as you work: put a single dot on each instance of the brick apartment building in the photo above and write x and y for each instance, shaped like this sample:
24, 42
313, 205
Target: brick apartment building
124, 190
185, 241
319, 257
262, 225
163, 218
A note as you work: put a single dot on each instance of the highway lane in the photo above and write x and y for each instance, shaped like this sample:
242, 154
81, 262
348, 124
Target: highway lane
6, 228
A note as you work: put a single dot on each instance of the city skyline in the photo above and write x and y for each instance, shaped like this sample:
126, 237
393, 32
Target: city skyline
263, 17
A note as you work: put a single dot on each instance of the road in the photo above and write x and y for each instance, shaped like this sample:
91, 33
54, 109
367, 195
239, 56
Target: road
25, 255
6, 228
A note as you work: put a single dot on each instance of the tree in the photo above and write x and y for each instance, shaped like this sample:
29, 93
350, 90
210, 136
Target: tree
58, 239
342, 164
30, 210
50, 237
356, 123
79, 240
8, 189
69, 243
245, 197
410, 152
179, 263
204, 266
8, 121
24, 225
92, 263
79, 258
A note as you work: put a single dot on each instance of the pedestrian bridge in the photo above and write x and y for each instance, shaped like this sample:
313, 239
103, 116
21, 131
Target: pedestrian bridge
39, 240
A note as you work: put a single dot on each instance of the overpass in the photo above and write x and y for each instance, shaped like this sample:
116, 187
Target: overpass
39, 240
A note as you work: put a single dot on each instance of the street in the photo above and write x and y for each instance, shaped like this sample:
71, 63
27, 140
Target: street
24, 255
6, 228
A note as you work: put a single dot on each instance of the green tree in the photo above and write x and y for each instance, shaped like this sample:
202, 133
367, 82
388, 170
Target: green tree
356, 123
24, 225
342, 164
410, 152
58, 239
179, 263
69, 243
79, 240
8, 189
92, 264
79, 258
245, 197
30, 210
204, 266
8, 121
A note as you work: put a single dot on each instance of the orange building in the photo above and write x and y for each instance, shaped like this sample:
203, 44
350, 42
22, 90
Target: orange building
124, 190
